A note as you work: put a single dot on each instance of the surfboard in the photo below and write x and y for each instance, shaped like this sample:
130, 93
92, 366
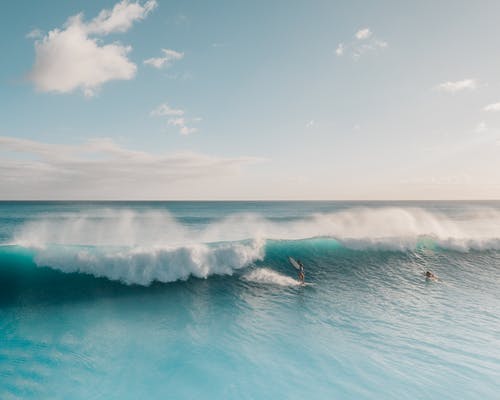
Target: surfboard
294, 262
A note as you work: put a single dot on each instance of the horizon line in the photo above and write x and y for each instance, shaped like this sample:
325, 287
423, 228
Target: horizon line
243, 200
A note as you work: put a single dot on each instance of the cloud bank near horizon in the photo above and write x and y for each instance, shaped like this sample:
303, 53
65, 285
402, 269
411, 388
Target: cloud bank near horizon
100, 168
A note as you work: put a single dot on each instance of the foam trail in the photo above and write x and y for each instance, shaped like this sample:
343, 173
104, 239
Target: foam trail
265, 275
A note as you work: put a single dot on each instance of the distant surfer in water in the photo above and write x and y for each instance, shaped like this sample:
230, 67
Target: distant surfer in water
301, 274
430, 275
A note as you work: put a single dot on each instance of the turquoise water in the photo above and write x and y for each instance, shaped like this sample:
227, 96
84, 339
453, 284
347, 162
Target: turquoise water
197, 300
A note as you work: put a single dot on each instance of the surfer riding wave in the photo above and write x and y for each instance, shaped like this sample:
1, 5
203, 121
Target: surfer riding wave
299, 267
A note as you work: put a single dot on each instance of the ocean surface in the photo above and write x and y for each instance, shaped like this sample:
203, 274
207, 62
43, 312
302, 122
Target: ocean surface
197, 300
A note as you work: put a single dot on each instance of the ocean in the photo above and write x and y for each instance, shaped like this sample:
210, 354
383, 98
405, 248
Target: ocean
197, 300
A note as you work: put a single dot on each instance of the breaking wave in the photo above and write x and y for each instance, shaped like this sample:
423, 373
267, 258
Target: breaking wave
142, 247
139, 265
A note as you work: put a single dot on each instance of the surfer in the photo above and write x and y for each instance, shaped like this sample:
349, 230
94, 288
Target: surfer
301, 273
297, 264
429, 275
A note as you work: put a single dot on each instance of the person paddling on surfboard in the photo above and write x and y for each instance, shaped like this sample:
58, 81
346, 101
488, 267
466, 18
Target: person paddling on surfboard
430, 275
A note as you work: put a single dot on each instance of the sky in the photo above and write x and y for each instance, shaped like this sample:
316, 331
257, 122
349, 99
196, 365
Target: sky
260, 100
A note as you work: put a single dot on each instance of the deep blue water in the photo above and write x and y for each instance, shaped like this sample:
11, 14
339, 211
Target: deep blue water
126, 300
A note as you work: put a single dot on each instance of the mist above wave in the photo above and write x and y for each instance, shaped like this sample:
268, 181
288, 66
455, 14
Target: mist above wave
390, 227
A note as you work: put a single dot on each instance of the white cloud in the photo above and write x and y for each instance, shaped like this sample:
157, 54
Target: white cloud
165, 109
380, 43
176, 119
364, 42
34, 34
68, 59
100, 168
367, 47
492, 107
340, 49
363, 34
169, 56
121, 17
457, 86
181, 123
310, 124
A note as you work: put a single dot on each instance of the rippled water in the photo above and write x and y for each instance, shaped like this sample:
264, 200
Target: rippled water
197, 300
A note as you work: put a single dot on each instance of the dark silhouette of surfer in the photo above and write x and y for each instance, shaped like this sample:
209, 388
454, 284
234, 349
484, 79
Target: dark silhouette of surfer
430, 275
301, 274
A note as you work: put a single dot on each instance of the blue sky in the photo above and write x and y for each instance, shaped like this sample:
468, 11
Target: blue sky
250, 100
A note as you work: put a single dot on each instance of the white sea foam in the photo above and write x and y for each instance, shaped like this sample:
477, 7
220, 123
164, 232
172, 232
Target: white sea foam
138, 265
266, 275
140, 247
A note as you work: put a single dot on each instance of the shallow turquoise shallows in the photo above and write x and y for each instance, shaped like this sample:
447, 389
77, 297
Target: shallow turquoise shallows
197, 300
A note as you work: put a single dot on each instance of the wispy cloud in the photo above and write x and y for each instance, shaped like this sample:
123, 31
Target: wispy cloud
181, 123
340, 49
176, 118
34, 34
457, 86
72, 58
492, 107
100, 167
364, 42
165, 109
363, 34
169, 56
460, 179
371, 46
121, 17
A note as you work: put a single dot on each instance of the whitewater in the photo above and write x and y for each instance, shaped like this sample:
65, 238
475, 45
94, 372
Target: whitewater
197, 299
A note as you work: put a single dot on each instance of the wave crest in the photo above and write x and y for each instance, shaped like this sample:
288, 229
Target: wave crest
141, 247
145, 265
